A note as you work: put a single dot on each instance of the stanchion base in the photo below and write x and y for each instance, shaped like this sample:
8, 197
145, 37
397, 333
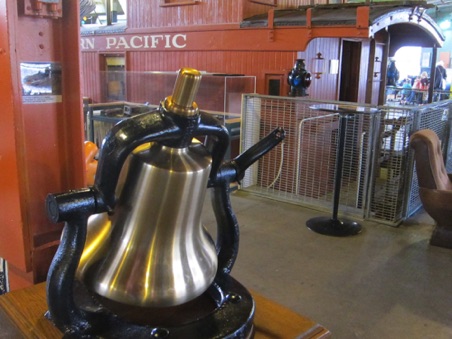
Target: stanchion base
333, 227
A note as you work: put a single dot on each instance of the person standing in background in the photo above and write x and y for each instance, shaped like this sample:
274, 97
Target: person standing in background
392, 77
392, 73
406, 91
423, 86
419, 89
440, 80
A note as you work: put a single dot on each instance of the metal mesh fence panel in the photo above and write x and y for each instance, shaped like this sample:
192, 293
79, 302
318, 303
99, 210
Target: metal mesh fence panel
437, 118
302, 169
389, 179
378, 177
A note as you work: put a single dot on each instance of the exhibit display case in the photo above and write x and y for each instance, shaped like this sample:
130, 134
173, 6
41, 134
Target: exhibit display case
130, 93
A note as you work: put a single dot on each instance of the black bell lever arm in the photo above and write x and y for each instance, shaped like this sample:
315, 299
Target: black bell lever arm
227, 225
257, 151
234, 170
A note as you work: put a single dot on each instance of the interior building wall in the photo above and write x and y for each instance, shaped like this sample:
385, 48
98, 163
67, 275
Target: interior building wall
151, 14
325, 87
243, 62
363, 70
253, 7
257, 63
90, 70
161, 13
42, 135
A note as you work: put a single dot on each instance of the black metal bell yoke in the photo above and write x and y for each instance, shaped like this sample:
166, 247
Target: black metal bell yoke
74, 310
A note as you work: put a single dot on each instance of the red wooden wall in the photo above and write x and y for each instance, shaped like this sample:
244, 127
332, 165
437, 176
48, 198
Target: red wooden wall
151, 14
256, 63
41, 141
206, 35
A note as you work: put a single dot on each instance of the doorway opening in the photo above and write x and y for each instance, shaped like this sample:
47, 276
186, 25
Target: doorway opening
274, 84
114, 66
350, 65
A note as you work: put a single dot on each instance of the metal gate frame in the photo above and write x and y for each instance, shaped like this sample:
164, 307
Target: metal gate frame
379, 179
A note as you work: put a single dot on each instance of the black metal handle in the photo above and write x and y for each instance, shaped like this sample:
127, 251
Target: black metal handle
120, 141
257, 151
63, 311
227, 225
161, 126
217, 141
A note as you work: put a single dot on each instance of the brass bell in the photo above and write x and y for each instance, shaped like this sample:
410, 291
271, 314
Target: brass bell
135, 241
155, 252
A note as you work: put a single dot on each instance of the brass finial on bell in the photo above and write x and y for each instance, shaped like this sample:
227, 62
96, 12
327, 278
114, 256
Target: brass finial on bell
184, 93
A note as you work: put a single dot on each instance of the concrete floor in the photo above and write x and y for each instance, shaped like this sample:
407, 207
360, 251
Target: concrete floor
385, 282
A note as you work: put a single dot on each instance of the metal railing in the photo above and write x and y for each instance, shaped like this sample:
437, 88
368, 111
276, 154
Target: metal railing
396, 95
378, 177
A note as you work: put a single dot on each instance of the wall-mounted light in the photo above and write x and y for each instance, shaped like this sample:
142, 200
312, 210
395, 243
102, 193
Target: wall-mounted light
318, 65
299, 79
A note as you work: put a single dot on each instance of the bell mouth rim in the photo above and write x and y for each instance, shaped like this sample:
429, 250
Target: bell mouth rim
225, 296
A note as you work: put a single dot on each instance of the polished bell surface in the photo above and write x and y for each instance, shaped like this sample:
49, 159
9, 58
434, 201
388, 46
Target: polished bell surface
156, 252
97, 238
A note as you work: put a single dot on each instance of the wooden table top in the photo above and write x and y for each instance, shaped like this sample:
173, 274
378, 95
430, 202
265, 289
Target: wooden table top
22, 316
